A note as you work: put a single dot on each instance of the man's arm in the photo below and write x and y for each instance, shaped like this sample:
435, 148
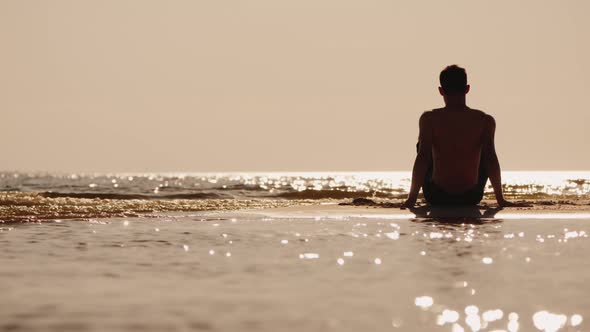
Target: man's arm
492, 164
423, 159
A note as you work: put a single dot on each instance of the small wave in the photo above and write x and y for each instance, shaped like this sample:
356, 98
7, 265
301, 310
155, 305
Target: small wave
35, 207
241, 186
336, 194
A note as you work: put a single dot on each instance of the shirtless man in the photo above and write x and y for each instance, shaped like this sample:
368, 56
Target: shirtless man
456, 152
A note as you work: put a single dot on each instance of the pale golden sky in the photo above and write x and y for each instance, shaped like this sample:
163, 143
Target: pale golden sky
302, 85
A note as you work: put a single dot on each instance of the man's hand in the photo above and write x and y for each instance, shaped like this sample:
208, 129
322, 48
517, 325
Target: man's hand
409, 203
504, 203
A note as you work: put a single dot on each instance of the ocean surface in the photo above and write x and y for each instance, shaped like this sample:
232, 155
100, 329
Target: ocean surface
203, 252
31, 197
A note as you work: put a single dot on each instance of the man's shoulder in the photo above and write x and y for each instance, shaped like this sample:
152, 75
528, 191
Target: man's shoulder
489, 122
425, 121
426, 116
487, 117
430, 113
478, 111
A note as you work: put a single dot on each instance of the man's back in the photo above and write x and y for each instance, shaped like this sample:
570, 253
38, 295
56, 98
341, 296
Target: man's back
455, 140
458, 136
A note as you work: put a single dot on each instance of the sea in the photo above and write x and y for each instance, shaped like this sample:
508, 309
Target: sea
207, 252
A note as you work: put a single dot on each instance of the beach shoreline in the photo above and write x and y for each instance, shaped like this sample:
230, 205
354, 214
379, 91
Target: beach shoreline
34, 207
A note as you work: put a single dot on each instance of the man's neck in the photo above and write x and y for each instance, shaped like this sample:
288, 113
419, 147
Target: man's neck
455, 102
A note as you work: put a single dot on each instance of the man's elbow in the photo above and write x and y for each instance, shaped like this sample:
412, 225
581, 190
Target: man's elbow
423, 157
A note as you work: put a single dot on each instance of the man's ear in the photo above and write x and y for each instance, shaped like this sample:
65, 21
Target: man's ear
467, 88
441, 91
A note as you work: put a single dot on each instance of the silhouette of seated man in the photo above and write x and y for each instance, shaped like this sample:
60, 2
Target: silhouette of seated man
456, 152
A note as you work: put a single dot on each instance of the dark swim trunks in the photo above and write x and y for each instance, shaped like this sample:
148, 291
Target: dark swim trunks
435, 195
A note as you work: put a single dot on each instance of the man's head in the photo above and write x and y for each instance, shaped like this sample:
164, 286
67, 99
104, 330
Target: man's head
453, 81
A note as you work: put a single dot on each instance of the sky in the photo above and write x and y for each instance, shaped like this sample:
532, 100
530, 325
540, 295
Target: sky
267, 85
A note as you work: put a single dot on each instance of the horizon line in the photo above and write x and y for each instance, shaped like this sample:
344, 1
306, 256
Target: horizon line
254, 172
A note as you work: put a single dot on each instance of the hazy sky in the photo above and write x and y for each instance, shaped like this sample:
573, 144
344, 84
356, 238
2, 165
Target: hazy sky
294, 85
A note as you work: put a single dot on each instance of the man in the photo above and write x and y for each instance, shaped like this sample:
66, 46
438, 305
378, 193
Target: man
456, 152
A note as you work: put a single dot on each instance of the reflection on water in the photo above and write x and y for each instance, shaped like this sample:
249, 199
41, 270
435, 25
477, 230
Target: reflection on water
457, 215
302, 185
493, 319
478, 225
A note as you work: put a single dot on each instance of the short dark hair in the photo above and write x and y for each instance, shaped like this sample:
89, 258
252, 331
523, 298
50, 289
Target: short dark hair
453, 80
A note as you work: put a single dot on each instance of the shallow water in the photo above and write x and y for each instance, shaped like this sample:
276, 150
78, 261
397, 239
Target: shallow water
230, 271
